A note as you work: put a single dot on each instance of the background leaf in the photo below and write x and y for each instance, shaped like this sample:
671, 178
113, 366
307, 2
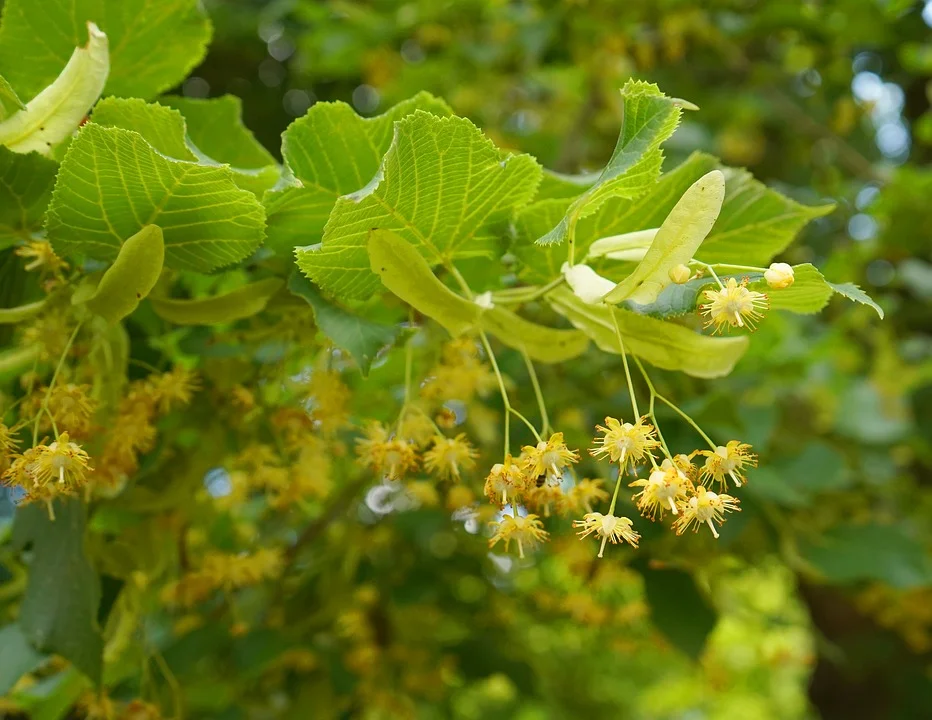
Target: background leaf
17, 657
26, 183
361, 338
59, 610
677, 609
154, 44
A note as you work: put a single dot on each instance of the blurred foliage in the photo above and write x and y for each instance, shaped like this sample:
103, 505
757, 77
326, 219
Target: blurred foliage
815, 600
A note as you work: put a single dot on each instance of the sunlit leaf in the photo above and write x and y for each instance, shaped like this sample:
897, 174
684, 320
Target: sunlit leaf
442, 186
853, 292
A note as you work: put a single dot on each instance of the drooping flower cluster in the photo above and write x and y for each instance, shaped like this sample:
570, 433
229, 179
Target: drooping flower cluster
226, 572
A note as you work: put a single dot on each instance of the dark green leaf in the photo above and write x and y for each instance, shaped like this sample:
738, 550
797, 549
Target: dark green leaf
17, 657
678, 610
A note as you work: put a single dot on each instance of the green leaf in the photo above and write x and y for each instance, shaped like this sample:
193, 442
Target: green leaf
26, 183
541, 343
650, 117
680, 235
538, 263
406, 273
59, 610
15, 361
678, 610
162, 127
51, 698
330, 152
57, 111
442, 186
359, 337
853, 292
131, 277
215, 127
555, 185
9, 316
154, 43
885, 553
112, 183
756, 223
663, 344
9, 100
17, 657
235, 305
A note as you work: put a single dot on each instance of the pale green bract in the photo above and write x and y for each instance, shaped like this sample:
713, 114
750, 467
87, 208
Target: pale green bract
330, 152
442, 186
650, 117
55, 113
112, 183
154, 43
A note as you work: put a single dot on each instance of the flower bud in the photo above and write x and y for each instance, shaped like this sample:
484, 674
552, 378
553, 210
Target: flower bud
779, 276
680, 274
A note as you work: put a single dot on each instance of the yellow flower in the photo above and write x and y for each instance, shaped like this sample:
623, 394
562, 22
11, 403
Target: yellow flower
607, 527
506, 481
329, 399
417, 427
665, 486
8, 446
41, 257
779, 276
734, 305
63, 462
450, 455
546, 499
705, 507
624, 442
728, 461
173, 389
585, 494
388, 456
72, 408
527, 532
423, 492
548, 458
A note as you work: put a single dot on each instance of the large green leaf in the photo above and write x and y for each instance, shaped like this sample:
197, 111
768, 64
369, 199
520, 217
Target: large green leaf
361, 338
154, 44
162, 127
330, 152
442, 186
677, 609
112, 183
56, 112
887, 553
650, 117
680, 235
17, 657
59, 610
663, 344
26, 183
538, 263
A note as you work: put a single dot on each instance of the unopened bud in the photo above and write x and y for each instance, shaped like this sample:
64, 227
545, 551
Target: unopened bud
779, 276
680, 274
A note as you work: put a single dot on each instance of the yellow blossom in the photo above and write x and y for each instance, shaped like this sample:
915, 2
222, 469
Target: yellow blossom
546, 498
705, 507
608, 527
734, 305
63, 462
389, 456
417, 427
72, 408
328, 398
173, 389
41, 257
527, 531
625, 443
506, 482
8, 446
728, 461
424, 492
779, 276
585, 494
459, 496
548, 457
664, 487
450, 455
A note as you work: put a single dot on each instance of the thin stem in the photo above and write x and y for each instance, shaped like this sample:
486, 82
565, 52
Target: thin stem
409, 365
533, 293
146, 366
710, 269
526, 422
172, 684
689, 420
464, 286
740, 267
650, 413
48, 391
501, 387
624, 361
541, 405
611, 507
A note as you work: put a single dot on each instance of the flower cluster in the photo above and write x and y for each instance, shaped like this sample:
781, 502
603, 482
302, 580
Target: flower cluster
220, 571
